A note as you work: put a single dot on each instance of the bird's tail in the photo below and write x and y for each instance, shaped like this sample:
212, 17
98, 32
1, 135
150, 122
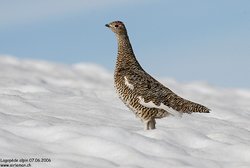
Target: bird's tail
180, 104
191, 107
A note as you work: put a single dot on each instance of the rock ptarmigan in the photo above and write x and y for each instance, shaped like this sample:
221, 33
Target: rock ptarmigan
144, 95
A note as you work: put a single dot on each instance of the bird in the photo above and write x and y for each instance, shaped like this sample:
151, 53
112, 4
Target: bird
139, 91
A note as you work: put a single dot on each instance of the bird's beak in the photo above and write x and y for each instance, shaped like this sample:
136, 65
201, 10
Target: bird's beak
107, 25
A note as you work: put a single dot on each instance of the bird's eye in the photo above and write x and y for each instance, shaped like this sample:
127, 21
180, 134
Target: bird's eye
116, 25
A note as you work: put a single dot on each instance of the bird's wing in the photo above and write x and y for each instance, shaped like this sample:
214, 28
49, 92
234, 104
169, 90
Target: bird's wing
153, 94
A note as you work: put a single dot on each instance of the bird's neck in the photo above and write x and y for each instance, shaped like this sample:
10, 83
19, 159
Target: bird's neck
125, 57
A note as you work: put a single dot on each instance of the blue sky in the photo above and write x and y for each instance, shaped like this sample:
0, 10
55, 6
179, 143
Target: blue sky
188, 40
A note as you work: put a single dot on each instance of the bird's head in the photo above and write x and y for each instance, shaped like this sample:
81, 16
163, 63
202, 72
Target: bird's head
117, 27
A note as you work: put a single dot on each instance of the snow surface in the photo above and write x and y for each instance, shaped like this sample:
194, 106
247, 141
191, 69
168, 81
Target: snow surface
72, 115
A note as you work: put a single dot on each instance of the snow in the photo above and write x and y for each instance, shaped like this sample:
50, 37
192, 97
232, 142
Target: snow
72, 115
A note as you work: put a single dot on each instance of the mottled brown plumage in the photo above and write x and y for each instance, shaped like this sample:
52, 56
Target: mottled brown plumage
144, 95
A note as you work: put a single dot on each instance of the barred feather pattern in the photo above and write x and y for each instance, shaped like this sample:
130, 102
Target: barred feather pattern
139, 91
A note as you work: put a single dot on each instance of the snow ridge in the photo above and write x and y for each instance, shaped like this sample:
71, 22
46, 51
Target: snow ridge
72, 115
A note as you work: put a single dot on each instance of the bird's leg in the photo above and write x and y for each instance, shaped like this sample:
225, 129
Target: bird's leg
146, 125
152, 123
